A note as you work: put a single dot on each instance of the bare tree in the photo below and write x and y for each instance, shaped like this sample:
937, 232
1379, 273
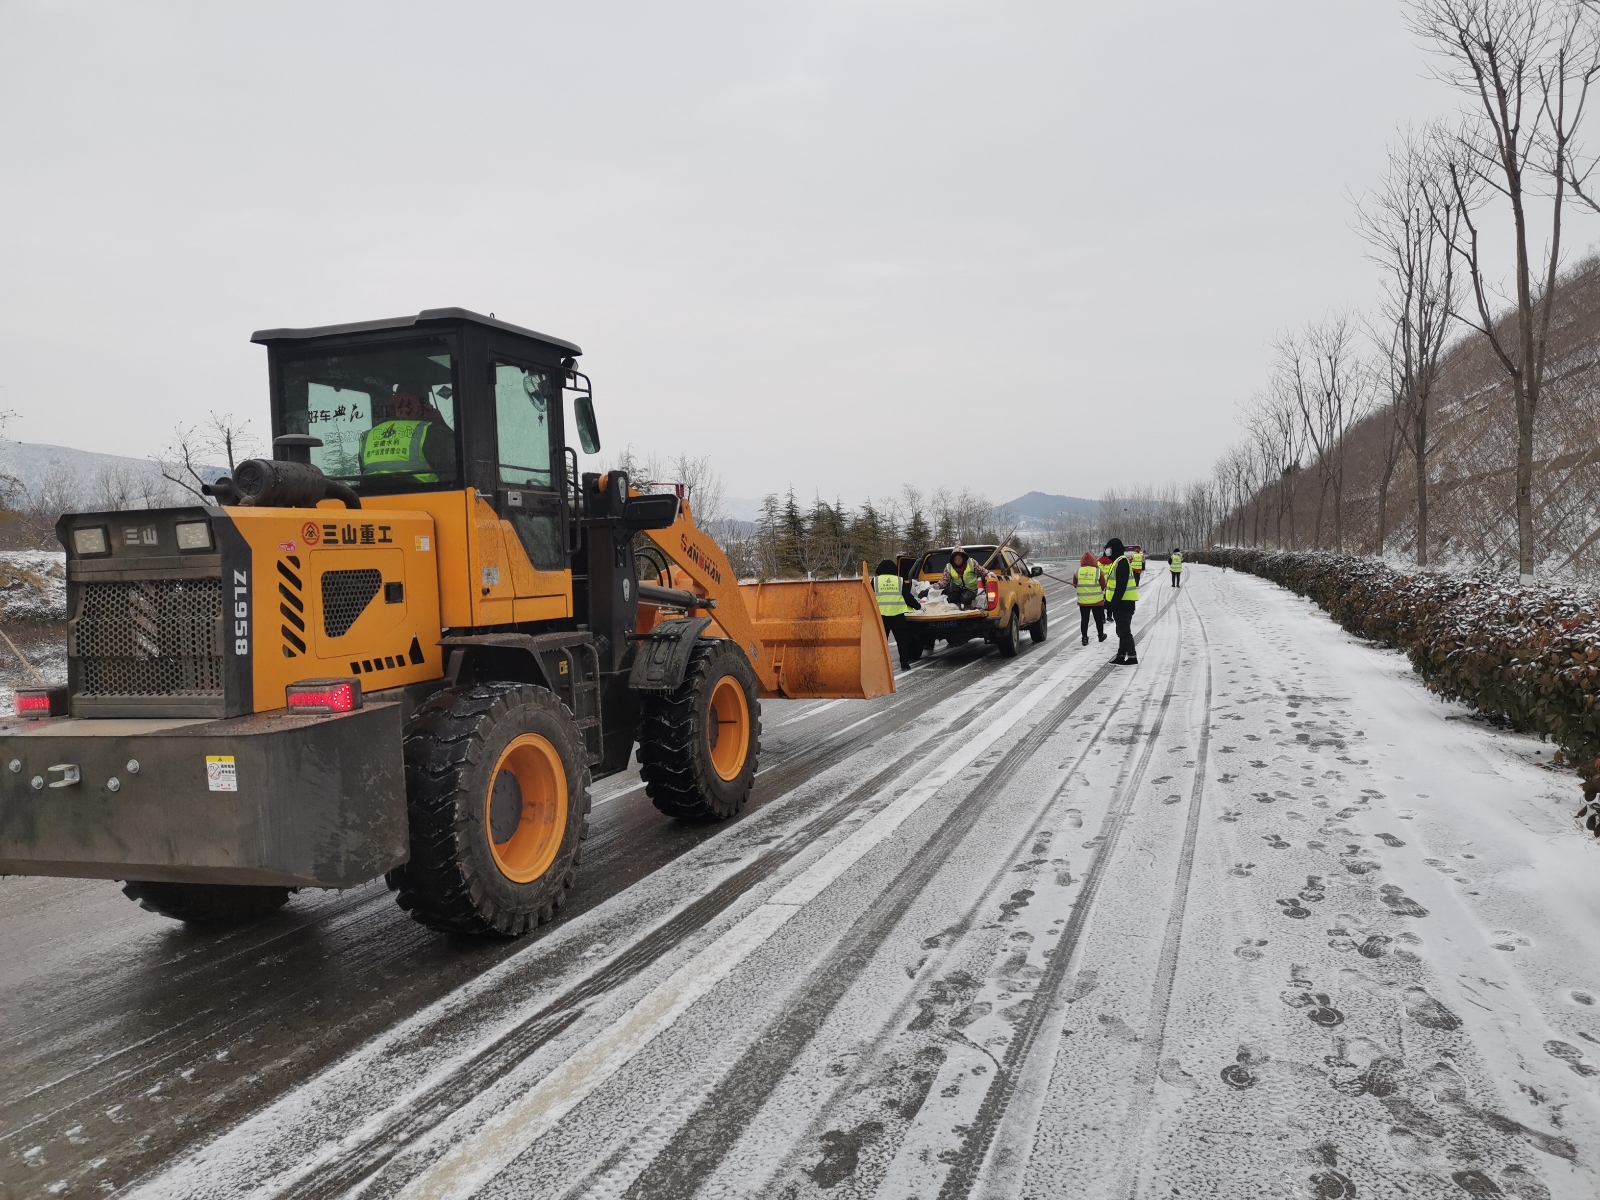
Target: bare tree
1278, 432
192, 456
1526, 66
1411, 221
1320, 370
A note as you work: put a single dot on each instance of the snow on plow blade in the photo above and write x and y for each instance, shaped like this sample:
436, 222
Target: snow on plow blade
824, 636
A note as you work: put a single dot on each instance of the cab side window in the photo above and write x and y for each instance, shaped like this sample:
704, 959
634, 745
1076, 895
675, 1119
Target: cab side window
522, 413
524, 428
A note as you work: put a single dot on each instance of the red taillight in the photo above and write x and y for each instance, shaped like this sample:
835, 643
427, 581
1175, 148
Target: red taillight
324, 696
993, 590
41, 702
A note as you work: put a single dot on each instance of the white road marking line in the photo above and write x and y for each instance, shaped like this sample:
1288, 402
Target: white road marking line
478, 1158
806, 716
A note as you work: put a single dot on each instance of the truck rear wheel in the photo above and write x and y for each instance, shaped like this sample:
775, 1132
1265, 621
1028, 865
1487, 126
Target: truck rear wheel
1009, 640
698, 745
498, 798
1040, 629
217, 905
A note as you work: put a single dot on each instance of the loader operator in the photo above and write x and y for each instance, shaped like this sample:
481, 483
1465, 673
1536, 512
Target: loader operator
961, 578
894, 601
412, 440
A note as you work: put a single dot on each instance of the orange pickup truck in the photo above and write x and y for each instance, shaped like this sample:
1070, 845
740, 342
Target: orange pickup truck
1012, 600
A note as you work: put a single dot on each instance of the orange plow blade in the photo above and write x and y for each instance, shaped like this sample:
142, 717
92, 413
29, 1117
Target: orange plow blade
824, 638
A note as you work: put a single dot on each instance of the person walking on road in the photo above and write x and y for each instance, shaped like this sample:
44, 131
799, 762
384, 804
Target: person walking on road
1175, 564
1091, 581
1136, 557
1122, 592
894, 602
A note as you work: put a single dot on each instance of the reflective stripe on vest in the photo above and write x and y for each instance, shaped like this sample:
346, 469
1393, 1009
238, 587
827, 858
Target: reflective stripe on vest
1177, 563
891, 601
1090, 592
395, 447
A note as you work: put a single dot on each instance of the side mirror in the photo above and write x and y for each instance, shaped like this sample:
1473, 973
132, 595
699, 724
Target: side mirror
651, 512
1035, 571
588, 430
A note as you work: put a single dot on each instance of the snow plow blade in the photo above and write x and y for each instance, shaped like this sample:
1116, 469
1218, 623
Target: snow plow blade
824, 636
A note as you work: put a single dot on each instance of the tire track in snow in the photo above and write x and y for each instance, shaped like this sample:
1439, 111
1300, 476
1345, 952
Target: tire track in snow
1155, 1030
967, 1161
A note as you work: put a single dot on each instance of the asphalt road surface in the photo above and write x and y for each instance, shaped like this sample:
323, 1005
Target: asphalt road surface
1258, 917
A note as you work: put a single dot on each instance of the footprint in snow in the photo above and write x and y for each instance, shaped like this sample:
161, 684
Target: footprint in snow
1428, 1012
1399, 903
1242, 869
1570, 1055
1276, 842
1389, 839
1250, 949
1293, 910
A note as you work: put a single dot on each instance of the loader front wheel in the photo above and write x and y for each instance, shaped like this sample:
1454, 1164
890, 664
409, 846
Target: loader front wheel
698, 745
203, 905
498, 798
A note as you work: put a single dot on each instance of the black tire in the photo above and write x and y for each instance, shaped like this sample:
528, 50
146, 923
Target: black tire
213, 905
677, 754
1009, 640
469, 752
1040, 629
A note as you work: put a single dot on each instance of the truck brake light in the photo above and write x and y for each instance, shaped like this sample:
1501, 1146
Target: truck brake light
992, 589
41, 701
324, 696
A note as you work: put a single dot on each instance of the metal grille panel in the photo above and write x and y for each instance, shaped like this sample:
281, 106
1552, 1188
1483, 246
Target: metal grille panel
154, 637
345, 596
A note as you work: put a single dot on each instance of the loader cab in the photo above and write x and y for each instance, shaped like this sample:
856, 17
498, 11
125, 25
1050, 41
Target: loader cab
443, 401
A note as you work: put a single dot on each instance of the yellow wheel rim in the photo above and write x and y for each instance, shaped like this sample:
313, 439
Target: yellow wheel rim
728, 730
525, 811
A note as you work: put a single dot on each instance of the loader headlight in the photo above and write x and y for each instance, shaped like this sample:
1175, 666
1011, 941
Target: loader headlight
194, 535
90, 541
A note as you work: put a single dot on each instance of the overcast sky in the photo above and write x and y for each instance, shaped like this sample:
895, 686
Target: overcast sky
833, 245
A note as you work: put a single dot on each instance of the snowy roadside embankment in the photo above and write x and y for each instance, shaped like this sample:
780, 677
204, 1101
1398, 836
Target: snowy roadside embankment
33, 613
1528, 655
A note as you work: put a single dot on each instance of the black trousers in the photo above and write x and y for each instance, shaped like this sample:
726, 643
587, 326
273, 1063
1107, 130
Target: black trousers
1177, 579
1122, 614
905, 638
1099, 611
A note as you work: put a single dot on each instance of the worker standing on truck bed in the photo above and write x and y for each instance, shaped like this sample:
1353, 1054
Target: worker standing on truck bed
1175, 563
1122, 591
1091, 583
894, 601
961, 578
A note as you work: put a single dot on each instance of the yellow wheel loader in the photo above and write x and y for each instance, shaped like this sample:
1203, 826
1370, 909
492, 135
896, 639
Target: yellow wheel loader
403, 646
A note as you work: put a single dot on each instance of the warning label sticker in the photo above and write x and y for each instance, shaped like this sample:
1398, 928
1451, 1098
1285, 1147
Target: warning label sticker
221, 773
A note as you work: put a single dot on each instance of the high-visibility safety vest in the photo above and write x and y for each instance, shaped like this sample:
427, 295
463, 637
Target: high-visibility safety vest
968, 577
1091, 590
395, 448
1176, 563
1137, 559
1131, 592
891, 600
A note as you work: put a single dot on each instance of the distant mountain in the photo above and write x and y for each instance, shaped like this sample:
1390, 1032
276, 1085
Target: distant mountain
1039, 507
61, 478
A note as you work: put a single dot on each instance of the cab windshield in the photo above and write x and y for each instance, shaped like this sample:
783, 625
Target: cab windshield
386, 417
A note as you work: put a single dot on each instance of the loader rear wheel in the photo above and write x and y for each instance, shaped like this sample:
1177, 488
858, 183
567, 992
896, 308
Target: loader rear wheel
214, 905
1009, 640
1040, 629
698, 745
498, 798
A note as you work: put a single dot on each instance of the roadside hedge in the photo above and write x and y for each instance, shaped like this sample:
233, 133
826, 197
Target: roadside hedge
1528, 656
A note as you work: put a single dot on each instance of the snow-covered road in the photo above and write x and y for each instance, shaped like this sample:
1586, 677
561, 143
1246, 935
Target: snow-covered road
1259, 917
